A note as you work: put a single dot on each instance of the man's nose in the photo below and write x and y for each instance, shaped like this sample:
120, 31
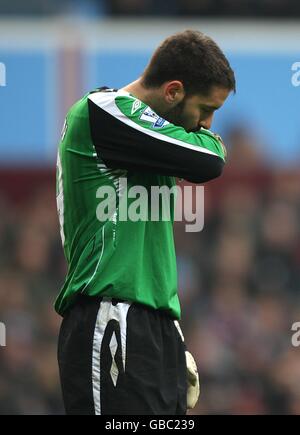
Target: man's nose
206, 123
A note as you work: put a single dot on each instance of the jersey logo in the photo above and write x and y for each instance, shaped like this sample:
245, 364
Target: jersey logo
161, 122
149, 116
136, 106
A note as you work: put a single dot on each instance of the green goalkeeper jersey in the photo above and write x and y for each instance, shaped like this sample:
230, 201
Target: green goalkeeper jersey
110, 135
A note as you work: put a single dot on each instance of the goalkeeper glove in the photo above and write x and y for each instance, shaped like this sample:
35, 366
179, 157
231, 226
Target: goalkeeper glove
193, 388
193, 385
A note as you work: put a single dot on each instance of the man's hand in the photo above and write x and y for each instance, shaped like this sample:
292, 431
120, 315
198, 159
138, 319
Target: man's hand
193, 388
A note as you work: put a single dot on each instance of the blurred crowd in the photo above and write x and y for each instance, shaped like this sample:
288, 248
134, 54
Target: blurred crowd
247, 8
31, 270
239, 283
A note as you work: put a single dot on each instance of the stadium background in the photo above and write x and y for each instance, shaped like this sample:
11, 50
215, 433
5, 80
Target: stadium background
240, 277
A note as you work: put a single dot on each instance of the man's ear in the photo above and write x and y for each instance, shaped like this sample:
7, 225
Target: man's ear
174, 92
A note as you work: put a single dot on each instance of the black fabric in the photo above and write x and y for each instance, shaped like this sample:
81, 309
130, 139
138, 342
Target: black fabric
75, 346
154, 381
123, 147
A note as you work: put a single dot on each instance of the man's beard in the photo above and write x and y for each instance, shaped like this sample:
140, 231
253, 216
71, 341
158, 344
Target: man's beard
177, 117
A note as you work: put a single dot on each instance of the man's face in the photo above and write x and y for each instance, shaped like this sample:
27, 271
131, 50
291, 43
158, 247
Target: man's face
197, 111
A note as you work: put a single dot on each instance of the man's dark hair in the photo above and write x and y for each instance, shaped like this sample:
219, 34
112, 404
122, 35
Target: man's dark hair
194, 59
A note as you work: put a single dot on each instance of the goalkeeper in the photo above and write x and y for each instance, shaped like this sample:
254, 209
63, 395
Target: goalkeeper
120, 348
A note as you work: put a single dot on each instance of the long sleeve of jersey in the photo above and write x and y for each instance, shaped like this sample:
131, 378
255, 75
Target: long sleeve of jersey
127, 134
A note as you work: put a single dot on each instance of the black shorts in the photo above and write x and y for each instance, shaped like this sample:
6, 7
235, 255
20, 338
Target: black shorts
121, 358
